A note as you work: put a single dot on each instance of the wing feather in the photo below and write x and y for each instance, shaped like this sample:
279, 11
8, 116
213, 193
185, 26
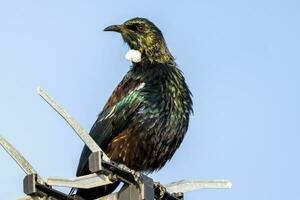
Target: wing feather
114, 118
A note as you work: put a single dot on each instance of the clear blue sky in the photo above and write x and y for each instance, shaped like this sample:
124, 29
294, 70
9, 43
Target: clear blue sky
241, 60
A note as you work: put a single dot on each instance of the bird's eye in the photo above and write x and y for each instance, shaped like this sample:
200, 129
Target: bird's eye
140, 27
136, 27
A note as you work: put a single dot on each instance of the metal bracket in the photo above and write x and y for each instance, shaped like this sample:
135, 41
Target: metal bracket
29, 183
143, 191
95, 161
35, 189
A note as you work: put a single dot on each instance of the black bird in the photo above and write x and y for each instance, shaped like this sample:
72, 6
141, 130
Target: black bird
146, 117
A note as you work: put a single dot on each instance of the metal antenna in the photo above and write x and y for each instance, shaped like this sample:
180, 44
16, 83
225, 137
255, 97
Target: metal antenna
104, 172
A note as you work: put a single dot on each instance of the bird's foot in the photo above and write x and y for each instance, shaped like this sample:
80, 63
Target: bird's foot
137, 175
124, 167
161, 188
138, 180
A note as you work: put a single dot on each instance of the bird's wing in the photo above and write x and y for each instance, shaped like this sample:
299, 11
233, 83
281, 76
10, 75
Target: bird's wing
115, 116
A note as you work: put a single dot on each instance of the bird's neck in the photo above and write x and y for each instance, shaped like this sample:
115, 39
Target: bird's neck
156, 51
162, 56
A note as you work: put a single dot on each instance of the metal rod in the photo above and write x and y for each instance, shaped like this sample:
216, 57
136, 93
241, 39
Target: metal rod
191, 185
17, 156
84, 136
86, 181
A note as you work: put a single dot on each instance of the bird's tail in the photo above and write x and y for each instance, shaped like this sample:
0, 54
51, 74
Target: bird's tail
94, 193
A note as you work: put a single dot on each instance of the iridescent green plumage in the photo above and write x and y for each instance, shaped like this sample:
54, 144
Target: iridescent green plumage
147, 116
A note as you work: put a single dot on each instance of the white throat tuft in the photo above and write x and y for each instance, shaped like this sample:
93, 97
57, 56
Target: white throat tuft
134, 56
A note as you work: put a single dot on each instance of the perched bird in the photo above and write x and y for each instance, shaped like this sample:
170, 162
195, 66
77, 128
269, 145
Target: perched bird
146, 117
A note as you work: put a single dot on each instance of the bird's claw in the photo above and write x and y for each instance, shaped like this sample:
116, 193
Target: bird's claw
136, 175
161, 188
124, 167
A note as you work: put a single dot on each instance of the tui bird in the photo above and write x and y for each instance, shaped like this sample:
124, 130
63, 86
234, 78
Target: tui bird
146, 117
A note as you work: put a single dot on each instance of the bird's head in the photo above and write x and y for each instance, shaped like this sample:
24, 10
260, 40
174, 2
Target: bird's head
142, 35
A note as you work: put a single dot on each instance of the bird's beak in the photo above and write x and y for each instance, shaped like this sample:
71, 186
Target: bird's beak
115, 28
